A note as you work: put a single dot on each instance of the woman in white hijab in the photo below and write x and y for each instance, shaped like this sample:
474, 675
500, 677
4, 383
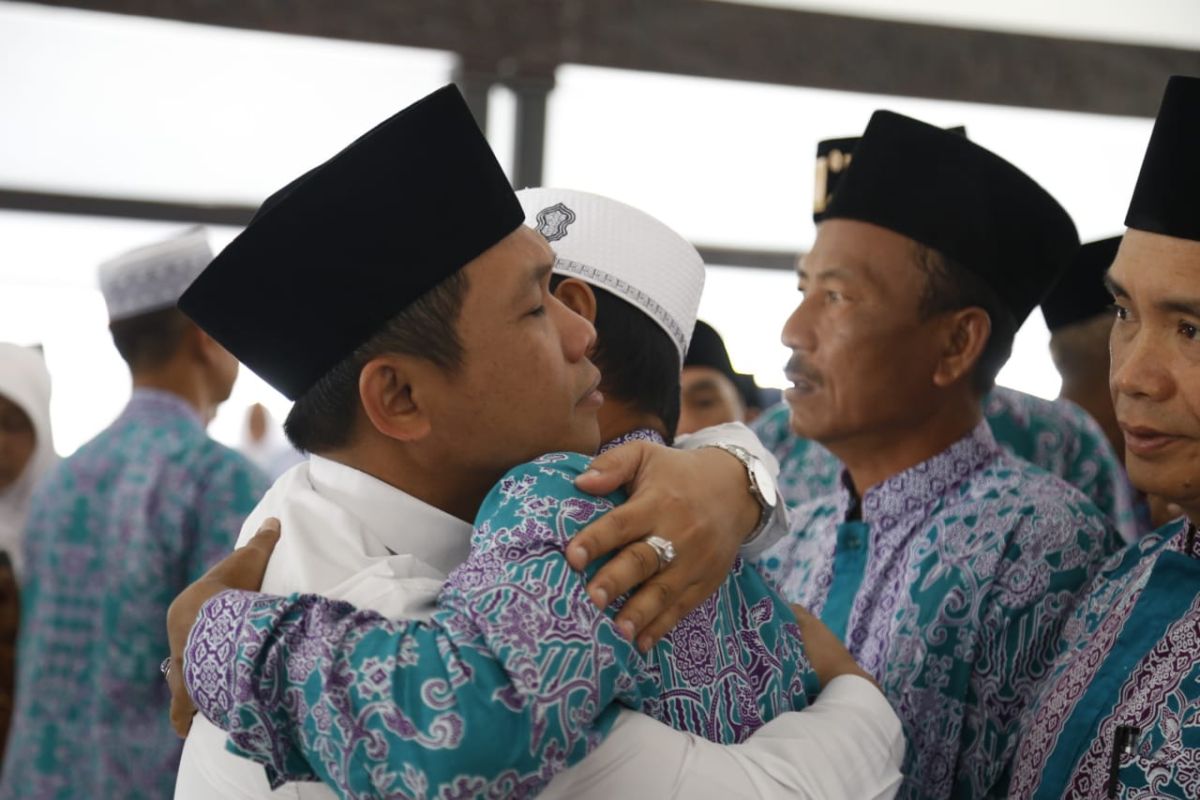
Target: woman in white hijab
26, 444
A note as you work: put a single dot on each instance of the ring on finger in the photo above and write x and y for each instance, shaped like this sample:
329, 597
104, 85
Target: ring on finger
165, 667
662, 548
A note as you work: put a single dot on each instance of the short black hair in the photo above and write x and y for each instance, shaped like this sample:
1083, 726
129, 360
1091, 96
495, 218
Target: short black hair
639, 363
949, 286
148, 341
323, 418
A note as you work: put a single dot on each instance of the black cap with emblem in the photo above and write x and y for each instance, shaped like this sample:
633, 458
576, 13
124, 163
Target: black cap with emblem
953, 196
1080, 293
833, 159
1166, 199
335, 254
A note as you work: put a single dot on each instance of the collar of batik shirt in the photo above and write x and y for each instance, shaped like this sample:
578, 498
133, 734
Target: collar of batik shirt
159, 404
908, 496
636, 435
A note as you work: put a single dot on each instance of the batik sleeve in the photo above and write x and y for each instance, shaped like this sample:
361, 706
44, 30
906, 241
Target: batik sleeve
515, 677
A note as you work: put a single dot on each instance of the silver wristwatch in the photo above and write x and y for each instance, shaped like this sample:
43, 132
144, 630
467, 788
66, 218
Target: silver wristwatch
762, 484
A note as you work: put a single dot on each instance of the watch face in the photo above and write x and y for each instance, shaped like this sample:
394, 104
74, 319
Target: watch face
765, 483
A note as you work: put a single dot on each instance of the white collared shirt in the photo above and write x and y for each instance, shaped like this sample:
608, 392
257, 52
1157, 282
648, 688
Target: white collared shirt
349, 536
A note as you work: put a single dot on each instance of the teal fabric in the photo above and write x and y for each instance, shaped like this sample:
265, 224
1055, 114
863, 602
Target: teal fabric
971, 562
1057, 436
1130, 655
516, 677
117, 530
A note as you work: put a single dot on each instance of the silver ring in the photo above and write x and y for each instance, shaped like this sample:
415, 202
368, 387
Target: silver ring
165, 667
662, 548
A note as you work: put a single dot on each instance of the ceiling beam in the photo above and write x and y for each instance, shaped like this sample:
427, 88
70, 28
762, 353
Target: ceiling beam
239, 216
722, 40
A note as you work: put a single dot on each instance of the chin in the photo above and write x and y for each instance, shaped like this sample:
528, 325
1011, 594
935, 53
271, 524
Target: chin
1179, 486
805, 428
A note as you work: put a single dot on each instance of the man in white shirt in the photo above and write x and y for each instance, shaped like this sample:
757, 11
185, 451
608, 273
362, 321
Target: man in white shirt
356, 529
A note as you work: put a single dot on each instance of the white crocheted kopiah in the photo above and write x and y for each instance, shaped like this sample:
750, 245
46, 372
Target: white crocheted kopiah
153, 277
624, 251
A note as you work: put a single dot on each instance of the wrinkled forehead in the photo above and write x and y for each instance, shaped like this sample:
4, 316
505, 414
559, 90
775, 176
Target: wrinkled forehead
1154, 263
861, 253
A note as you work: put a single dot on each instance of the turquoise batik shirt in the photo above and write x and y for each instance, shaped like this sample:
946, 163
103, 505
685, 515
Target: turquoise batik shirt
516, 676
115, 532
1057, 436
948, 583
1061, 438
1119, 715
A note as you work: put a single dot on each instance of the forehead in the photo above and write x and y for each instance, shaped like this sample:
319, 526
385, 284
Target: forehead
9, 408
508, 265
860, 247
862, 253
1153, 263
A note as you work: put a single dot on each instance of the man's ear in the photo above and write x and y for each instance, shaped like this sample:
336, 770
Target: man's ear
579, 297
387, 389
965, 336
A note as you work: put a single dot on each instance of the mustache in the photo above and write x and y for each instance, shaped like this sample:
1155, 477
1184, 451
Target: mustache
797, 367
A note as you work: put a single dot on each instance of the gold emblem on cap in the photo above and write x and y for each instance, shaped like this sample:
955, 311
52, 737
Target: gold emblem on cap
820, 198
836, 161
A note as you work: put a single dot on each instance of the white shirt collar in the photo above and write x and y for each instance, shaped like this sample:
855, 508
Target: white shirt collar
400, 522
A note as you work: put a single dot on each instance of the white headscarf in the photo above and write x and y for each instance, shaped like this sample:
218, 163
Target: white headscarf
25, 381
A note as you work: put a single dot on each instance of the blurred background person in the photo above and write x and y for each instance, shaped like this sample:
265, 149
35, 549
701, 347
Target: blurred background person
26, 453
1079, 316
114, 533
711, 393
264, 444
26, 442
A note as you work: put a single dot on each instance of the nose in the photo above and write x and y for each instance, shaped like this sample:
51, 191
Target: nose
798, 331
1139, 367
578, 335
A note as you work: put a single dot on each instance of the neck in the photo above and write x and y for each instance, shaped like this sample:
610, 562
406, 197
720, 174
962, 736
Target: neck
185, 384
617, 419
872, 458
458, 491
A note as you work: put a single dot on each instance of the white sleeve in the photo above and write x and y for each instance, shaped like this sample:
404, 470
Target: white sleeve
739, 434
848, 744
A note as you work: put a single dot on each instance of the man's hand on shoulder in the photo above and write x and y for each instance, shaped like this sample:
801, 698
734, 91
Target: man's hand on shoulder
243, 569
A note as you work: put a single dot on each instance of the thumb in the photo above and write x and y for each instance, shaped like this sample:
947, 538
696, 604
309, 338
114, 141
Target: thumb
612, 470
264, 541
245, 567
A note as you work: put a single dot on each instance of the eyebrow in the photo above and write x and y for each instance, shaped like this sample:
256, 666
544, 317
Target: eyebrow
835, 273
701, 386
1175, 305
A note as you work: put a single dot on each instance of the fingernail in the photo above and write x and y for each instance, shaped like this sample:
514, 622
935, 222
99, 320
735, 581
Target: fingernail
590, 474
578, 553
599, 597
644, 644
626, 629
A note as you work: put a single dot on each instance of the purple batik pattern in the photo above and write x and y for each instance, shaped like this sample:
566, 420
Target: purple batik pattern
1057, 436
117, 530
1061, 438
972, 560
517, 675
1160, 696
